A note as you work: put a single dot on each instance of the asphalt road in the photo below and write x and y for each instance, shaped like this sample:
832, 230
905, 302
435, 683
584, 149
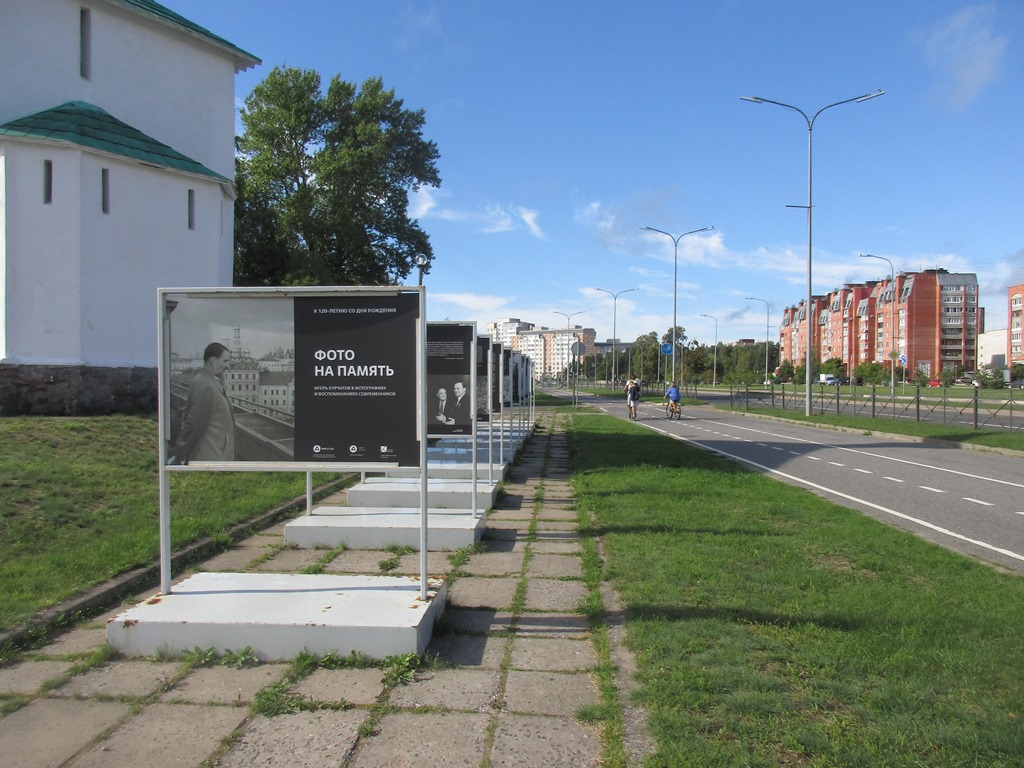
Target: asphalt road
969, 501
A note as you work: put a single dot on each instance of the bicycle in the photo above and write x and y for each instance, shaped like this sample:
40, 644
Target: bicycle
673, 410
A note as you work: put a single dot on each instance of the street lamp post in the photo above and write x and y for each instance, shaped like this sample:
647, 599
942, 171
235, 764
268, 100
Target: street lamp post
567, 317
615, 299
421, 262
714, 371
675, 274
894, 331
810, 129
766, 320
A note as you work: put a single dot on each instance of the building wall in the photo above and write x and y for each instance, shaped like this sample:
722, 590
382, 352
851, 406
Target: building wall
162, 80
78, 286
1015, 325
937, 322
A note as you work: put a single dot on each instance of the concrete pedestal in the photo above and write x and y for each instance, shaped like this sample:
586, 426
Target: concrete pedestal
380, 527
282, 615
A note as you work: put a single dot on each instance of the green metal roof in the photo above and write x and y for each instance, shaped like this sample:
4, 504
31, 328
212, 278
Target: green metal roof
86, 125
243, 59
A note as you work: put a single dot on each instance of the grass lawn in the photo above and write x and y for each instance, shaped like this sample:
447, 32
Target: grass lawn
773, 628
79, 503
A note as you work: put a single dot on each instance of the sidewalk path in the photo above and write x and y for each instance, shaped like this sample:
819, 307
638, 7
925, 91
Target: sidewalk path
513, 670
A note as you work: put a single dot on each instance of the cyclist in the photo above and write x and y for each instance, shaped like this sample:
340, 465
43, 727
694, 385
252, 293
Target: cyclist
632, 391
672, 396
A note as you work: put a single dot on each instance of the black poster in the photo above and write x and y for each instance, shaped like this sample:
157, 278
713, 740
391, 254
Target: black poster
496, 377
449, 377
355, 379
483, 395
507, 368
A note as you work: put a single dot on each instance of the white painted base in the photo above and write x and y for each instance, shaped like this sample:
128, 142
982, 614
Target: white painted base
282, 615
459, 468
380, 527
405, 492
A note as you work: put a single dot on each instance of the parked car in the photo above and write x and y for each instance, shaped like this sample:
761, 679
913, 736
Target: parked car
1017, 384
934, 383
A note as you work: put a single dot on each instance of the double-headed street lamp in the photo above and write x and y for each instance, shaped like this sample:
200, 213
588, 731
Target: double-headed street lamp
810, 129
567, 317
894, 331
615, 299
766, 319
675, 273
714, 371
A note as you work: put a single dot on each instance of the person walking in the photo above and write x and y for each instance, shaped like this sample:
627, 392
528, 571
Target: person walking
632, 394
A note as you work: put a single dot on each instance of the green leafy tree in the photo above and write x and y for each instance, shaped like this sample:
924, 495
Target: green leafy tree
787, 372
871, 373
329, 176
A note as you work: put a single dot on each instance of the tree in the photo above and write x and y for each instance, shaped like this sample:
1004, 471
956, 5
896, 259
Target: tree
329, 176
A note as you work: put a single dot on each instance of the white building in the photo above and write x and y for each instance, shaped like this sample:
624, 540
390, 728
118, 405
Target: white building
116, 167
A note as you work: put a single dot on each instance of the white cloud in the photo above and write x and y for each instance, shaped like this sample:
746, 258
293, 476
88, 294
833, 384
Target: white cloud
966, 49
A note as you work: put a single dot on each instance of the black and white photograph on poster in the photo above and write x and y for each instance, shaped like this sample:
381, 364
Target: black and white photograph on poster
496, 356
355, 378
506, 365
450, 359
483, 348
231, 378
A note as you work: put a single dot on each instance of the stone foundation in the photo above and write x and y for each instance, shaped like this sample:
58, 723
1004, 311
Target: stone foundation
76, 390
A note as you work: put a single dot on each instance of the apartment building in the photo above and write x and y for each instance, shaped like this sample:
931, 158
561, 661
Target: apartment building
1015, 312
931, 318
550, 349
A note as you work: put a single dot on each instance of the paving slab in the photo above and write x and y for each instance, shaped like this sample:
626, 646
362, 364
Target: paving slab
353, 686
134, 679
320, 739
548, 693
554, 595
560, 547
26, 678
481, 651
290, 561
165, 735
49, 732
232, 560
483, 592
465, 689
552, 654
77, 642
571, 625
530, 741
495, 564
224, 685
547, 565
451, 739
474, 621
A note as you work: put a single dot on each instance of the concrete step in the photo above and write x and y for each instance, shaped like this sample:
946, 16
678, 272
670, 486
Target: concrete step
381, 527
405, 492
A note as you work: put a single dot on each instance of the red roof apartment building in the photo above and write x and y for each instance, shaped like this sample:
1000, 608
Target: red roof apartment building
931, 317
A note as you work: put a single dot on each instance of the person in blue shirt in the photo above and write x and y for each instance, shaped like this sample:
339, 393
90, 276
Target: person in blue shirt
672, 394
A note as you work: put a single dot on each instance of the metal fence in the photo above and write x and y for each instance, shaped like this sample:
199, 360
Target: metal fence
998, 409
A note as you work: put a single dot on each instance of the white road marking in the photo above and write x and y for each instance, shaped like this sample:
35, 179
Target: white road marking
933, 490
979, 501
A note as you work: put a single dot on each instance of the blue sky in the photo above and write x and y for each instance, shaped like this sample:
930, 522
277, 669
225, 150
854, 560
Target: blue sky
565, 127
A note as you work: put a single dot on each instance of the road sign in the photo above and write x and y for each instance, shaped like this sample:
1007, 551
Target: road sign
577, 348
666, 348
903, 359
